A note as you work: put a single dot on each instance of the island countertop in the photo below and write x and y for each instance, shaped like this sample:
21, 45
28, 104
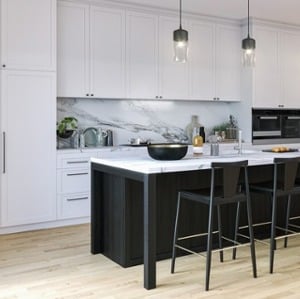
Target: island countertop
143, 163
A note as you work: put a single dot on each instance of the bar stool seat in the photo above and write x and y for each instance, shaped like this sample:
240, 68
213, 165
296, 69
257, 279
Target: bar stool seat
231, 190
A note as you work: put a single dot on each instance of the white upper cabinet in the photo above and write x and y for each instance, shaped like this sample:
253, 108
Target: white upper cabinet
290, 68
266, 71
173, 75
91, 51
228, 63
142, 55
72, 50
28, 34
107, 52
201, 61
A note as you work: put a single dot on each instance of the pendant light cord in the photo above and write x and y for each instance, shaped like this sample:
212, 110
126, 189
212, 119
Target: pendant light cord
248, 18
180, 8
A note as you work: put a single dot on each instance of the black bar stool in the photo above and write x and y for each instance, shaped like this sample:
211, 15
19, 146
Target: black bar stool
230, 191
282, 186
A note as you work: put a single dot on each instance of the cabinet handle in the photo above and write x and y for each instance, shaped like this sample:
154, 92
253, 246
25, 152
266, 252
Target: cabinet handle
77, 162
4, 146
79, 173
160, 97
87, 94
281, 106
77, 198
3, 65
92, 94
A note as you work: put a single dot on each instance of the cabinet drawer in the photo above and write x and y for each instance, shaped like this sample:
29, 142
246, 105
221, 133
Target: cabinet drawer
73, 205
73, 180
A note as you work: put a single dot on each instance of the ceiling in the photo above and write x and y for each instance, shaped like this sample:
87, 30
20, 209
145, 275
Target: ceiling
287, 11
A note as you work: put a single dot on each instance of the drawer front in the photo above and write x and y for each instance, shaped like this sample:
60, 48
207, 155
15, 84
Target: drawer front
73, 205
73, 181
76, 162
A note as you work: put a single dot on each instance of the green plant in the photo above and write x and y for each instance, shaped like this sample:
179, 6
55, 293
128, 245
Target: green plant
68, 123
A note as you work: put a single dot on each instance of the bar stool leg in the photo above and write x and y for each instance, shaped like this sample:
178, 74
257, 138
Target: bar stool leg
175, 234
272, 238
237, 219
220, 233
288, 209
209, 246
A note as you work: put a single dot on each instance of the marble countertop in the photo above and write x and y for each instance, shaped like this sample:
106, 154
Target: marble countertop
143, 163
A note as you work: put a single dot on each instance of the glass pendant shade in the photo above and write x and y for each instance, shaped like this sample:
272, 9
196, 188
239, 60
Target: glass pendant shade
248, 47
180, 37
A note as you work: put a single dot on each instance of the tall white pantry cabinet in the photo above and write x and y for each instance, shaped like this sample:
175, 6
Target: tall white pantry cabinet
28, 111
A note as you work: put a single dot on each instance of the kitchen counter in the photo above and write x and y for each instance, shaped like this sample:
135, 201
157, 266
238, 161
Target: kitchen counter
134, 195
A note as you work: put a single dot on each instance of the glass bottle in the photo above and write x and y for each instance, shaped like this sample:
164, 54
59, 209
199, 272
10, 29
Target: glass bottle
190, 128
202, 133
197, 142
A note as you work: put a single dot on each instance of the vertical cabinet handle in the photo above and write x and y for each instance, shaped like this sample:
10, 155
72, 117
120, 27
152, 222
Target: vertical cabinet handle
4, 146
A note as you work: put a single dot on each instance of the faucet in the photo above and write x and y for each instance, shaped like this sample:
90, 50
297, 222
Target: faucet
238, 147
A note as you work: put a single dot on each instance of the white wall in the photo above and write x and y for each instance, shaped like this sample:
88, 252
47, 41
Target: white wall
156, 120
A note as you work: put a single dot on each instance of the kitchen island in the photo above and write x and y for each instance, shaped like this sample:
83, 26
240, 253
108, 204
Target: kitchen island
133, 203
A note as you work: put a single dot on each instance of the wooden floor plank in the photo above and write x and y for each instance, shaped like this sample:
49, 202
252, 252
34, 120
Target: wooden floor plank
57, 264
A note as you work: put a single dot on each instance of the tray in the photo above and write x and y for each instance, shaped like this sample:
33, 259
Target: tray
288, 151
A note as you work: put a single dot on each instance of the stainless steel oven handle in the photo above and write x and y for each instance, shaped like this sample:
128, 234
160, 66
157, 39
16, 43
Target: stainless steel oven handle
266, 133
4, 157
268, 117
293, 117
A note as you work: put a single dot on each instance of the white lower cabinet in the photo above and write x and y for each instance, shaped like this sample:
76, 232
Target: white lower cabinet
73, 184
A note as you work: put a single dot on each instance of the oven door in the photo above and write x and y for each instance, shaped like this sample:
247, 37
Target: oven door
291, 126
266, 126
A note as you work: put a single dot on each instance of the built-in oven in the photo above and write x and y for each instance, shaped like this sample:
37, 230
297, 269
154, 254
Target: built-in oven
266, 124
275, 126
291, 124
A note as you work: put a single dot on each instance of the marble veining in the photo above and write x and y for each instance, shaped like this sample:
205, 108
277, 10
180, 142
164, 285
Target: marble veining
158, 121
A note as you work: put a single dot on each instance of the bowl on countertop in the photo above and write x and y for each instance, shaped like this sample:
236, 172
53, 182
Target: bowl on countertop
167, 151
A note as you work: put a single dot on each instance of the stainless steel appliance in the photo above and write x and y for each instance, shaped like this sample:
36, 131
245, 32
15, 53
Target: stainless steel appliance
275, 126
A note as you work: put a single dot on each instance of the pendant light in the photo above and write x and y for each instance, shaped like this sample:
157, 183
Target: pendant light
248, 46
180, 38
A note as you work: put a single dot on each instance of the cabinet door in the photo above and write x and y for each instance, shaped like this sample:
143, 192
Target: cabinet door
201, 61
107, 52
266, 71
142, 55
290, 68
228, 63
72, 50
28, 34
173, 75
28, 115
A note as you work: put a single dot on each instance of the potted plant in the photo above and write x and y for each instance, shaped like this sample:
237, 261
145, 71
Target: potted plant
66, 127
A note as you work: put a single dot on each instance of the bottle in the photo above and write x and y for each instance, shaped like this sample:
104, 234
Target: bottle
202, 133
197, 142
190, 127
110, 138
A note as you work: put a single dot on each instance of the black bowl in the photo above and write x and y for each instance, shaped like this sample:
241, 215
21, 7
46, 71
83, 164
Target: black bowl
167, 151
66, 134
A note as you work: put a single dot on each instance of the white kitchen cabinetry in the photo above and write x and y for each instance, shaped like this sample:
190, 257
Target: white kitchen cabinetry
91, 51
28, 34
174, 79
214, 62
266, 72
28, 152
277, 70
228, 63
73, 185
290, 68
142, 55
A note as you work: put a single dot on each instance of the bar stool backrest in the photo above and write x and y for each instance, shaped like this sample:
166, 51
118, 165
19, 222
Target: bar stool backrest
231, 175
285, 172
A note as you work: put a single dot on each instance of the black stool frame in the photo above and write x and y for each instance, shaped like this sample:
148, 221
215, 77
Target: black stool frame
230, 192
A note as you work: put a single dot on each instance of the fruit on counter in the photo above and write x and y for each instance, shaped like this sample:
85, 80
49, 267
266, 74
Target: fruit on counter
280, 149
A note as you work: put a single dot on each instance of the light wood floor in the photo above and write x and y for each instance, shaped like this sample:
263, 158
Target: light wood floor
57, 263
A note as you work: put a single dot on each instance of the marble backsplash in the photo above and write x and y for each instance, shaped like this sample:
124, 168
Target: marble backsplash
160, 121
